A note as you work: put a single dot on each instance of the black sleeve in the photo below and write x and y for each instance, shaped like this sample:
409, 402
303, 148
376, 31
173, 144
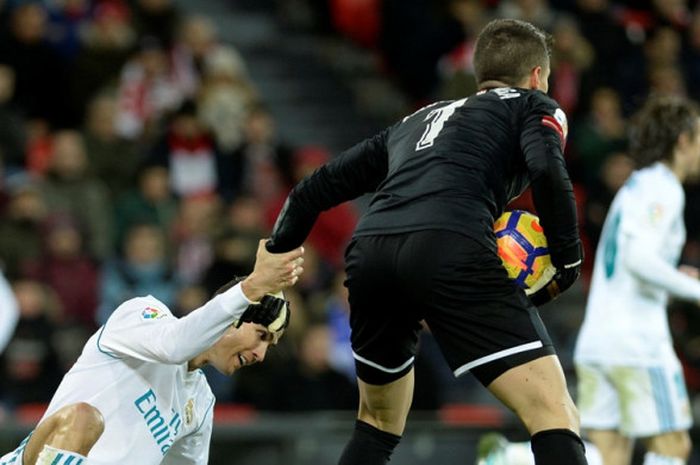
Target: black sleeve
354, 172
542, 140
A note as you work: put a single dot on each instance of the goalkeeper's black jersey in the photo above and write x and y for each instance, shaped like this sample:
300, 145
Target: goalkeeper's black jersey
452, 165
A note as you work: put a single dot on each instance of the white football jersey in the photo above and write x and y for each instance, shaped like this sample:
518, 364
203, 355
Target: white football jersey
626, 321
9, 312
134, 371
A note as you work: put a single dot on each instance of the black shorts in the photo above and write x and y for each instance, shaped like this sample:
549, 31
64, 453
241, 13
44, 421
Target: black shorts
481, 320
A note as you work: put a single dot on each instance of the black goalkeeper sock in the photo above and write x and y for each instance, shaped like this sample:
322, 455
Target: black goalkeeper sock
369, 446
558, 447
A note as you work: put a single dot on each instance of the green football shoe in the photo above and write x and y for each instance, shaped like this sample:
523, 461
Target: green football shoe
491, 449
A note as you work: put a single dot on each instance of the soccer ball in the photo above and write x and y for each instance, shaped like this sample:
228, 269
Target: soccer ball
522, 247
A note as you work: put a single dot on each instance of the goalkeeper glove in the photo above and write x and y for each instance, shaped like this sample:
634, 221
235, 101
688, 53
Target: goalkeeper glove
568, 264
562, 280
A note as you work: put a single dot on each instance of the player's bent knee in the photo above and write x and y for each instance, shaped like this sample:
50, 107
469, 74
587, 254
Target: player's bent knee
84, 421
673, 444
550, 412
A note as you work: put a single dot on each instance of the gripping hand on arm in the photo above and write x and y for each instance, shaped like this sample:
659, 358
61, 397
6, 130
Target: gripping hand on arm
144, 329
565, 276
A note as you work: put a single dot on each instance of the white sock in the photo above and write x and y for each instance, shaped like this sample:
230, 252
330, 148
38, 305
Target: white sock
593, 456
52, 456
652, 458
519, 453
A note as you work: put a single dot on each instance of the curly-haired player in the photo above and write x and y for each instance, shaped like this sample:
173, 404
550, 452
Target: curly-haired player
630, 380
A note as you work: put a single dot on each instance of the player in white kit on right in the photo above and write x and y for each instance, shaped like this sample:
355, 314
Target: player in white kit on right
630, 382
136, 395
9, 312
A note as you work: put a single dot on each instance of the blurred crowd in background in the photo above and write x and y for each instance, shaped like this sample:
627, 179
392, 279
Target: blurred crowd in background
138, 157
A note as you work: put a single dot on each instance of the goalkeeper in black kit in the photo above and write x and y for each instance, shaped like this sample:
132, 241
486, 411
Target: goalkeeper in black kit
425, 248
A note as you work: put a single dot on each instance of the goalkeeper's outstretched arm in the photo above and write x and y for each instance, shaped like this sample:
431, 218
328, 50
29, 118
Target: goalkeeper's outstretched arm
356, 171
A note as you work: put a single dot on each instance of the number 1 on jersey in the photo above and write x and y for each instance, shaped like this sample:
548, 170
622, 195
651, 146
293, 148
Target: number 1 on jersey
436, 120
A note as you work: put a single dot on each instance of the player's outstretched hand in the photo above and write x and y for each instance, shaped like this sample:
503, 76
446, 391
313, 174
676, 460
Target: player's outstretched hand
563, 279
273, 272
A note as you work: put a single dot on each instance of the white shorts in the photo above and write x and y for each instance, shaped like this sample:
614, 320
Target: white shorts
15, 457
636, 401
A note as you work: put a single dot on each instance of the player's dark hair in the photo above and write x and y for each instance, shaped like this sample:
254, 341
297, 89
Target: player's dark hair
508, 49
657, 126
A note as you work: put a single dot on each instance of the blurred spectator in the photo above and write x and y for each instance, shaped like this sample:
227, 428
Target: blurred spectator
338, 317
106, 43
189, 153
358, 20
12, 131
235, 246
193, 234
147, 91
308, 383
667, 80
598, 24
196, 42
536, 12
20, 229
457, 67
69, 188
675, 13
65, 20
142, 270
639, 72
39, 148
151, 203
572, 56
29, 371
68, 270
691, 55
261, 167
333, 228
602, 132
415, 34
40, 75
156, 18
225, 97
110, 158
190, 298
612, 174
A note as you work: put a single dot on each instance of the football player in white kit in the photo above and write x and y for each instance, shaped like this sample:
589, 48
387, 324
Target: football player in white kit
136, 395
9, 312
630, 383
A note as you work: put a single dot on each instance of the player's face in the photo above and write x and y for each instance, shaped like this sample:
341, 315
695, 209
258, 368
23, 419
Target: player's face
240, 347
696, 152
692, 164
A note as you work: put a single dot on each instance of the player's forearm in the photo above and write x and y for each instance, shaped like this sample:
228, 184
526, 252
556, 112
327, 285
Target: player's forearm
9, 313
200, 329
356, 171
552, 193
176, 341
293, 225
642, 261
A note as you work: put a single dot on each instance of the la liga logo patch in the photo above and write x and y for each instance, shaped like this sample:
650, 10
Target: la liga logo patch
152, 313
